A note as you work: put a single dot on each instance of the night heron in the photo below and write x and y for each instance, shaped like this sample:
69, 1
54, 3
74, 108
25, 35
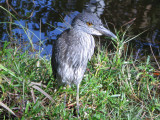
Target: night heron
74, 48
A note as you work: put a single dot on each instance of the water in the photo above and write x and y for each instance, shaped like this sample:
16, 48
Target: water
42, 17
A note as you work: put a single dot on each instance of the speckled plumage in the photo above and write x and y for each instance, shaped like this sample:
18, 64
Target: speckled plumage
70, 56
75, 47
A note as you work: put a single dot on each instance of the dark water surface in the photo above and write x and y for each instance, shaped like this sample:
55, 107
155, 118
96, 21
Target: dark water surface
41, 17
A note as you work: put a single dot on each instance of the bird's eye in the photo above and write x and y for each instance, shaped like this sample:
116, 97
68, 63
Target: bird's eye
89, 24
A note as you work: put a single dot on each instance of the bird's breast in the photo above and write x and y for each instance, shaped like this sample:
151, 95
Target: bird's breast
87, 44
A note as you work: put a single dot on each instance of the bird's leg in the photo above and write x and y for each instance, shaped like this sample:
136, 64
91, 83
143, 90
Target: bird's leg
77, 100
65, 97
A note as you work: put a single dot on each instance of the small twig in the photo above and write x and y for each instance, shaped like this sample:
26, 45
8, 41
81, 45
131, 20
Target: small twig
42, 91
143, 115
7, 108
33, 95
38, 84
17, 13
128, 22
109, 114
149, 91
10, 25
154, 57
157, 116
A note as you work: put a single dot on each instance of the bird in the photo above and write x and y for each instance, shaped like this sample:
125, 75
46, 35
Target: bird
74, 48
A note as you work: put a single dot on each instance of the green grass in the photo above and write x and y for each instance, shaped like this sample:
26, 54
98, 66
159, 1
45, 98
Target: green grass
114, 87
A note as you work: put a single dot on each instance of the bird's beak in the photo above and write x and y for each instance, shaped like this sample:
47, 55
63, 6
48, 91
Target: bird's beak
105, 31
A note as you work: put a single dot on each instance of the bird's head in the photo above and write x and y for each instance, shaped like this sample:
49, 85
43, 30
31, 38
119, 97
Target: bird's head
91, 24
